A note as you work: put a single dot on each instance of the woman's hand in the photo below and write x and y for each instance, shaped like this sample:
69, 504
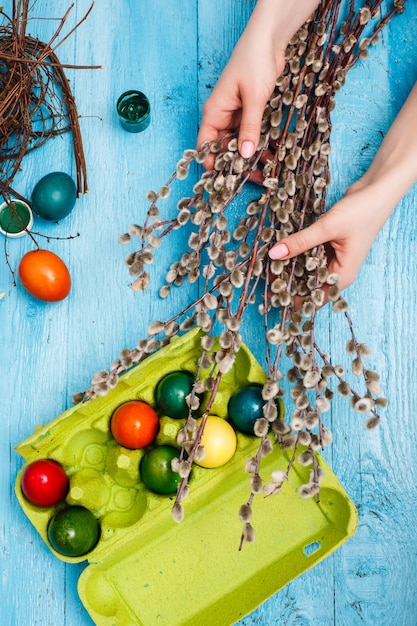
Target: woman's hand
239, 98
347, 230
241, 93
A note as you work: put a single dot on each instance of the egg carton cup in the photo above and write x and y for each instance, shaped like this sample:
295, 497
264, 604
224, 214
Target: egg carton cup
146, 569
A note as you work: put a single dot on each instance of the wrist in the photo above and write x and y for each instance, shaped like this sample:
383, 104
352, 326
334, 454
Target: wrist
394, 168
376, 198
281, 19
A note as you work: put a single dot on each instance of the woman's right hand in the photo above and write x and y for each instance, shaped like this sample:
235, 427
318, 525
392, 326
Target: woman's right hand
347, 230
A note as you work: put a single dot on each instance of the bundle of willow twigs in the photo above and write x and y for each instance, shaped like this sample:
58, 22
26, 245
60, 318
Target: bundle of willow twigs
235, 270
36, 102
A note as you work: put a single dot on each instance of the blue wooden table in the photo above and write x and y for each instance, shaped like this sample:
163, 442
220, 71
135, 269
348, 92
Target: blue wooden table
174, 52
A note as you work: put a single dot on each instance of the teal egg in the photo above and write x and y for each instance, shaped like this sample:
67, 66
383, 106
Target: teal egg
54, 196
246, 406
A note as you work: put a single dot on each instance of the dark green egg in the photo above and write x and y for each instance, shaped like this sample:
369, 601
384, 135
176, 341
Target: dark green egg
171, 393
73, 531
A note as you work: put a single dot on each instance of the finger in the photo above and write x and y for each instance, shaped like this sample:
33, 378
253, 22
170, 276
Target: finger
206, 134
267, 155
250, 124
300, 242
216, 123
257, 177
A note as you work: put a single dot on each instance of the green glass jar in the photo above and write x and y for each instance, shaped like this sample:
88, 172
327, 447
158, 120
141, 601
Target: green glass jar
16, 218
134, 111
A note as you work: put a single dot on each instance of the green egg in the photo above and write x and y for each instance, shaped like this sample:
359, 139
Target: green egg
73, 531
156, 470
171, 393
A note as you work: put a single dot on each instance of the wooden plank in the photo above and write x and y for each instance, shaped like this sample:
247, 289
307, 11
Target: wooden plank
174, 53
378, 466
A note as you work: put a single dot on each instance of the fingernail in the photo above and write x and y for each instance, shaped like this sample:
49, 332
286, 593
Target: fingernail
247, 149
279, 251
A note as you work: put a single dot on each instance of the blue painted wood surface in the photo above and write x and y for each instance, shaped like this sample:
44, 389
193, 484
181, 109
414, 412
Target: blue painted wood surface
174, 52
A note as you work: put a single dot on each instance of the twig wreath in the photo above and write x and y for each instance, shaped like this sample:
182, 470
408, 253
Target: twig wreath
36, 101
236, 270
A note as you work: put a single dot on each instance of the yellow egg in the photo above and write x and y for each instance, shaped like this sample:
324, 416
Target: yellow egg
219, 441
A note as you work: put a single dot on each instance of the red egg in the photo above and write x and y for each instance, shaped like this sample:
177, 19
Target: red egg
45, 483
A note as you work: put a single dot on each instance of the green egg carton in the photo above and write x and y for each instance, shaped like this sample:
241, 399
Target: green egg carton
148, 570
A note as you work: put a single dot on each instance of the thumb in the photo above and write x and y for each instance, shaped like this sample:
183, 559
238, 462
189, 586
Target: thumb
301, 241
206, 133
250, 124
